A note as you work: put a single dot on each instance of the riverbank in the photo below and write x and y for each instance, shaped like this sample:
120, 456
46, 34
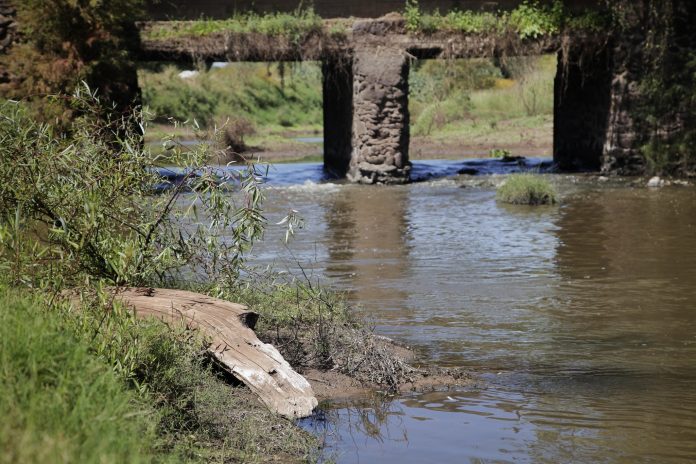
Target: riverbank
458, 108
70, 370
322, 337
170, 403
469, 139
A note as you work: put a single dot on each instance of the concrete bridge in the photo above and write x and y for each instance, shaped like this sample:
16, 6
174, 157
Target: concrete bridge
365, 79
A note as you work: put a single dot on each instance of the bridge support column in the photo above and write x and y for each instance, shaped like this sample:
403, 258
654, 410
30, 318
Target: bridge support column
582, 91
337, 81
380, 117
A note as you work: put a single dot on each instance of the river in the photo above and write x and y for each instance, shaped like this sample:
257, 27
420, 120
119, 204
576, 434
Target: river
578, 321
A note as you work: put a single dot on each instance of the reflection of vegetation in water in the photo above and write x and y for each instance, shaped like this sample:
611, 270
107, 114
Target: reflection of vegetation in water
377, 417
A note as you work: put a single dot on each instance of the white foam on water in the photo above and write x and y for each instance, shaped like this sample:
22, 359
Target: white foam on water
445, 182
312, 187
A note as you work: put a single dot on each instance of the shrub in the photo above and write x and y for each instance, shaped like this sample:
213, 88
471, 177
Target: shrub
82, 207
234, 131
527, 189
530, 20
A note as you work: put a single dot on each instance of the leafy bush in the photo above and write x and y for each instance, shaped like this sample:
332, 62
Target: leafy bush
82, 207
527, 189
531, 20
413, 16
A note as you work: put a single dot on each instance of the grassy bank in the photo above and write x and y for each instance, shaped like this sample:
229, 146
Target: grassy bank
96, 387
60, 402
83, 380
273, 97
465, 103
469, 103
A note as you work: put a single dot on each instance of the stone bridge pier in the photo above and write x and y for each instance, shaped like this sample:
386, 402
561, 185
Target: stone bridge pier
366, 120
380, 117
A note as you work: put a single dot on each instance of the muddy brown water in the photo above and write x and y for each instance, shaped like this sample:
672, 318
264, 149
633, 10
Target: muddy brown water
578, 321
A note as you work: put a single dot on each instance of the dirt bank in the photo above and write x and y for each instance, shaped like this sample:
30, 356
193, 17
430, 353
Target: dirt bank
334, 386
420, 149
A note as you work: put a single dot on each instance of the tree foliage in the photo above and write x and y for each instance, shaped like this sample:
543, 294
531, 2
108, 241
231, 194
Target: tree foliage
64, 42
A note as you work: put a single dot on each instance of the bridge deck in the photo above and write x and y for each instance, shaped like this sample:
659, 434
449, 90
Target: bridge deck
169, 41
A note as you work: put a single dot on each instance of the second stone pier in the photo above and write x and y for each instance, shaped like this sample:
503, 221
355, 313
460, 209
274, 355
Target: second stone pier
380, 117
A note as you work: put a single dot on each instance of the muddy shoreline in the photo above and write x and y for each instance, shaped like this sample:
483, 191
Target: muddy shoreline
333, 386
420, 149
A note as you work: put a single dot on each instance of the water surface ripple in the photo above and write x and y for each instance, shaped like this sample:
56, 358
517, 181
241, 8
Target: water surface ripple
580, 319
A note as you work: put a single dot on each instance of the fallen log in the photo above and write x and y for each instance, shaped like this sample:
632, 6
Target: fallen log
234, 344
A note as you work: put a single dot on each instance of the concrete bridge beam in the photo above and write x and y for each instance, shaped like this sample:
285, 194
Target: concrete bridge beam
380, 117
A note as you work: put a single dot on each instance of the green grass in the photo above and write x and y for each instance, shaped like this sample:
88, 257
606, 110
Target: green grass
293, 25
450, 100
58, 401
530, 19
280, 96
79, 387
527, 189
470, 100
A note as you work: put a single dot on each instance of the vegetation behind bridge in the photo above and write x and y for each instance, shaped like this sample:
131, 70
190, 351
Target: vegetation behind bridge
64, 42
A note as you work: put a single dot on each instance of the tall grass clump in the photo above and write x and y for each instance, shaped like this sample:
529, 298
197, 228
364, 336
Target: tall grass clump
527, 189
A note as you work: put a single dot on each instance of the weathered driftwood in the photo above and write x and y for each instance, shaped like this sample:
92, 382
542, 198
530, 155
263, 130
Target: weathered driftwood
234, 344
